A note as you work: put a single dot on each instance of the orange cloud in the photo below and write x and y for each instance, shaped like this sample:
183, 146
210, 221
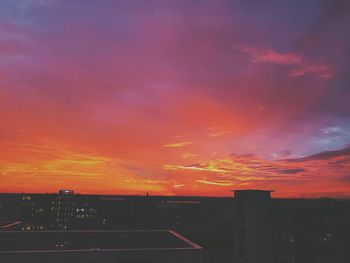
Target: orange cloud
325, 171
219, 183
178, 144
50, 165
188, 155
219, 133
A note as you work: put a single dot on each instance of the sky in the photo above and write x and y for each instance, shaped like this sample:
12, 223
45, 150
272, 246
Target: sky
175, 97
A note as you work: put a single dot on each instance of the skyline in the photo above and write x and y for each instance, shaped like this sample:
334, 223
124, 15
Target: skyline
175, 97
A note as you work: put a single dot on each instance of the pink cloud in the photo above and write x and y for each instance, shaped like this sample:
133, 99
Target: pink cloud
297, 65
270, 56
321, 70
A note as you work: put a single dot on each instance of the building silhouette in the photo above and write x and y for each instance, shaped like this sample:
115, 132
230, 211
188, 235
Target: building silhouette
251, 227
290, 230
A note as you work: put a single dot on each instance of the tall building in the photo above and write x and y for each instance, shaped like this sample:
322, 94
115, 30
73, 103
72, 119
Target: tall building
305, 230
252, 226
289, 230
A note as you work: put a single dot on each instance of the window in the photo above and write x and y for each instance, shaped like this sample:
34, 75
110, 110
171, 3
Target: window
240, 216
241, 251
241, 233
291, 258
291, 238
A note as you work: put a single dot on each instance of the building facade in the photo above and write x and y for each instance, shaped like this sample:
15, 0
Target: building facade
62, 211
289, 230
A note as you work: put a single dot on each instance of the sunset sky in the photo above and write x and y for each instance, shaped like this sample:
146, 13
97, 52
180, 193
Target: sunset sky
182, 97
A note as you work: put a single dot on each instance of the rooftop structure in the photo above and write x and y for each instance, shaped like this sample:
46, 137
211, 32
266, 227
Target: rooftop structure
84, 246
93, 239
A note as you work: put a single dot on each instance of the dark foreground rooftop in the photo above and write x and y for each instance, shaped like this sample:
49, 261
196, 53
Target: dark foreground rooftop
54, 241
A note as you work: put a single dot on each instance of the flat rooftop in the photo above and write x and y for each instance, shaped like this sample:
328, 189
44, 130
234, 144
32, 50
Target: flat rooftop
55, 241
